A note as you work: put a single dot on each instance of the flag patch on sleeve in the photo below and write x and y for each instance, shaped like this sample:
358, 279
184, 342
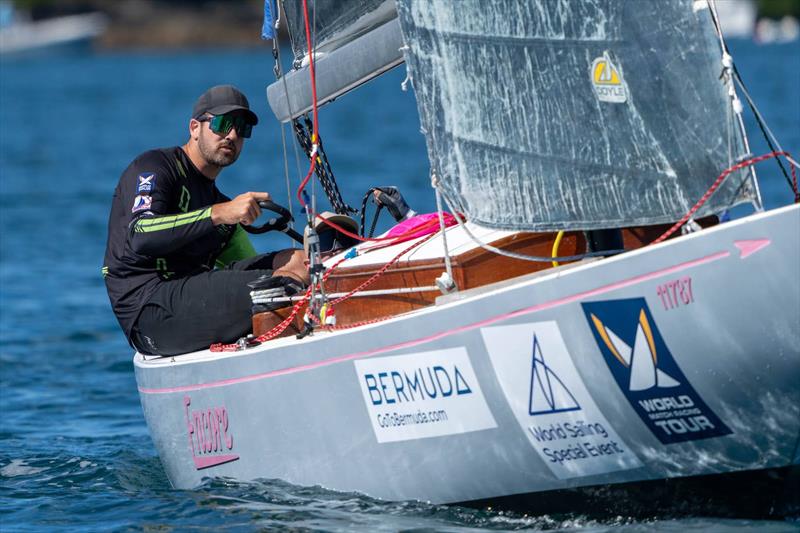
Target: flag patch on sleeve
141, 202
145, 182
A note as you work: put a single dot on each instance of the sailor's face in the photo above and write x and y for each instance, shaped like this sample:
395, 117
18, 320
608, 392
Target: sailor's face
219, 149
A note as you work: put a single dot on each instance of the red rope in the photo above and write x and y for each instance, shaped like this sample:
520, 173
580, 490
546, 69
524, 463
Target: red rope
315, 125
718, 182
383, 269
281, 327
368, 282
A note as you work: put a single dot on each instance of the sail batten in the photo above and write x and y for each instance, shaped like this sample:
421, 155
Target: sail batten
555, 114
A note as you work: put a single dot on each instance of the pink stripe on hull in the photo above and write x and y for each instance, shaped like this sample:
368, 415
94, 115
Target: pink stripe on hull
436, 336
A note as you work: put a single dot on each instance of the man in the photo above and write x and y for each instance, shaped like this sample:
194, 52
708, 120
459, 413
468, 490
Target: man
170, 226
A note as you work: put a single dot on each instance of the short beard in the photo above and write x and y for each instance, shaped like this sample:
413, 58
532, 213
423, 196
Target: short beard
215, 158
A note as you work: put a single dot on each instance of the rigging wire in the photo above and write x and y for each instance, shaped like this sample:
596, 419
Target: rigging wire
278, 17
323, 170
736, 104
276, 53
314, 81
278, 70
315, 121
762, 123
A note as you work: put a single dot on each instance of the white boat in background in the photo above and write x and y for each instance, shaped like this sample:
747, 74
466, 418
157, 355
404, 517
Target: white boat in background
538, 383
785, 30
19, 36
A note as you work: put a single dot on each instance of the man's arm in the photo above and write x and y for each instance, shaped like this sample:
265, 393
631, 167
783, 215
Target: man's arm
152, 234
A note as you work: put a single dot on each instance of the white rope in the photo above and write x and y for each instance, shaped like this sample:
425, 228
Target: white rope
712, 7
447, 263
736, 104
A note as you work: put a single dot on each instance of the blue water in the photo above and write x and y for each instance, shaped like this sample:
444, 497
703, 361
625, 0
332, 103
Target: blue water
74, 449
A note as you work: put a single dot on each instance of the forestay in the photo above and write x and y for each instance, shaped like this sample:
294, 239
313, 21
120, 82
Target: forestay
561, 114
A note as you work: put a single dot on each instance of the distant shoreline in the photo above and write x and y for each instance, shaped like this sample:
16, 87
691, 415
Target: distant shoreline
143, 25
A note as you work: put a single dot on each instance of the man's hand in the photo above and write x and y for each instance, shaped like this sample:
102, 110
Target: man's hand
243, 209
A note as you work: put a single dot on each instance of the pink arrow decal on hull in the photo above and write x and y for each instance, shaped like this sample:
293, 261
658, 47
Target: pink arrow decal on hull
751, 246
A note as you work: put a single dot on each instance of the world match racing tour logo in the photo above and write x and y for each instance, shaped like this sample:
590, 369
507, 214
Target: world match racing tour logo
647, 374
209, 438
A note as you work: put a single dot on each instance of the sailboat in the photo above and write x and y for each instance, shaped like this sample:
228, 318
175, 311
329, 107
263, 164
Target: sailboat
585, 319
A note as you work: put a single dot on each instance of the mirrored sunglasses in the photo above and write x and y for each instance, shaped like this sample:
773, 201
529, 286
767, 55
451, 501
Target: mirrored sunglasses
223, 124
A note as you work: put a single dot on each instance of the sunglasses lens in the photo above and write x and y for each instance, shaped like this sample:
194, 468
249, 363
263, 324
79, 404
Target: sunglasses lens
245, 129
222, 125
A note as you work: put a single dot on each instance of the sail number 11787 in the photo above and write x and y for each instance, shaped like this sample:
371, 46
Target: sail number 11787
676, 293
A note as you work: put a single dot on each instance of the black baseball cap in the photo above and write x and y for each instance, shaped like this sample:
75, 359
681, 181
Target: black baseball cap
222, 99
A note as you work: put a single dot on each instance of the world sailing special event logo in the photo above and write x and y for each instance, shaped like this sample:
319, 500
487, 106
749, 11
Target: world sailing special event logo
551, 402
607, 81
420, 395
648, 375
209, 435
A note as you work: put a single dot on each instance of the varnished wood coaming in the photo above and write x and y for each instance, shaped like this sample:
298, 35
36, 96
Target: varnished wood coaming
474, 268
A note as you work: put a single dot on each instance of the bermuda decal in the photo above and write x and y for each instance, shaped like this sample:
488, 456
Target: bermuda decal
145, 182
648, 375
551, 403
420, 395
210, 439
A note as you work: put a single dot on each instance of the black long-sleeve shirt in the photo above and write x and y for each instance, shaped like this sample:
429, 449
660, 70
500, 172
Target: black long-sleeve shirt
160, 229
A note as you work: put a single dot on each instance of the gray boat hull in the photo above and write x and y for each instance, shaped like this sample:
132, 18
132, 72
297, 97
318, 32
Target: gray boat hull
677, 360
